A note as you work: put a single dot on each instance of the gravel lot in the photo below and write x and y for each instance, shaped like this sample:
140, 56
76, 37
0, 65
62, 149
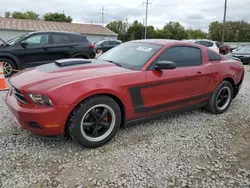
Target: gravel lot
194, 149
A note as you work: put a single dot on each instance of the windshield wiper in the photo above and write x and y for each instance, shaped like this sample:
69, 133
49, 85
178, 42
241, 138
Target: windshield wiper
117, 64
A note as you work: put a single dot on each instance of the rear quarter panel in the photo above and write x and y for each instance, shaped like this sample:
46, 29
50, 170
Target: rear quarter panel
224, 69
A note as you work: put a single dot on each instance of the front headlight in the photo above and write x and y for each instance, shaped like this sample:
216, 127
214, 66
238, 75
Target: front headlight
40, 99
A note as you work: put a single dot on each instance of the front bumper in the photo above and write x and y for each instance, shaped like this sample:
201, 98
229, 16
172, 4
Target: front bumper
43, 121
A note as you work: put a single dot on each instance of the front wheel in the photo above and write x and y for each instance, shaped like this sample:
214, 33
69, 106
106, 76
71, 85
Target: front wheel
95, 121
221, 98
8, 67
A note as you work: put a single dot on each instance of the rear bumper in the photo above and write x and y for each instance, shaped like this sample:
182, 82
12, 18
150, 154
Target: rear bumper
49, 121
238, 86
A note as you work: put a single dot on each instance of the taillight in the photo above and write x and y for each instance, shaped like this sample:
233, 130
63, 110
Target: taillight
91, 45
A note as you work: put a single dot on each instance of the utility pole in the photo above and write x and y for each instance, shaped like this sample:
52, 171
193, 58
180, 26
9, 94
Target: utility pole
224, 22
143, 25
146, 20
102, 14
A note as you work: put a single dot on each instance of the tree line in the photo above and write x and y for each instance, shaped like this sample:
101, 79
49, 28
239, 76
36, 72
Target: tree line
30, 15
236, 31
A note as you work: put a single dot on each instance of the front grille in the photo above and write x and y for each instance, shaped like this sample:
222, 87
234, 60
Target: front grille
19, 96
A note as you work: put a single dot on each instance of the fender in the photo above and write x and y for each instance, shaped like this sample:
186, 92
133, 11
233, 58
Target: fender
11, 56
98, 92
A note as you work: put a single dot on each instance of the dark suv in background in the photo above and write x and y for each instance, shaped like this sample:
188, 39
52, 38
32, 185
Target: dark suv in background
36, 48
106, 45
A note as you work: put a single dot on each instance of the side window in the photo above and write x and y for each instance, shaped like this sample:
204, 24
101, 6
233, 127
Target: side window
198, 42
205, 43
212, 56
78, 38
208, 44
38, 40
114, 43
105, 43
61, 39
183, 56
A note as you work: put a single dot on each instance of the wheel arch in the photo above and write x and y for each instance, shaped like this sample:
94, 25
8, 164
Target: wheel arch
11, 57
81, 54
231, 81
111, 95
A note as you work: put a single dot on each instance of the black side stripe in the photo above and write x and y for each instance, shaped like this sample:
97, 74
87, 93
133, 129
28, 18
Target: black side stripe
138, 104
183, 101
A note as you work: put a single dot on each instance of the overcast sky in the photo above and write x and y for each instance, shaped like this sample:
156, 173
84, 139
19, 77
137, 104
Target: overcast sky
190, 13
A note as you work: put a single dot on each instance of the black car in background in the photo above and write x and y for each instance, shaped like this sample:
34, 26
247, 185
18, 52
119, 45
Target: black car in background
243, 53
106, 45
36, 48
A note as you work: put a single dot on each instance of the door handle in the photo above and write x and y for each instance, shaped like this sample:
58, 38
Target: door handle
199, 72
45, 49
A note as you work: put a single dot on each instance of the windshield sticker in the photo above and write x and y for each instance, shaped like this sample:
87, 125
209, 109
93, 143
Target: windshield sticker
145, 49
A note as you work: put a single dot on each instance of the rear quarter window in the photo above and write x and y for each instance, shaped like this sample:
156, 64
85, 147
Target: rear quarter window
213, 56
78, 38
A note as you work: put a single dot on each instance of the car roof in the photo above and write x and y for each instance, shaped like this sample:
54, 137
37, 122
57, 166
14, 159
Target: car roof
156, 41
168, 42
59, 32
109, 40
164, 42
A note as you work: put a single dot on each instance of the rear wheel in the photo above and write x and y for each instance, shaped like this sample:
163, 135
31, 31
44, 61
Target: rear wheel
221, 98
95, 121
8, 67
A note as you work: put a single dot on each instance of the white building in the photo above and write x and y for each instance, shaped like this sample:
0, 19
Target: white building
10, 28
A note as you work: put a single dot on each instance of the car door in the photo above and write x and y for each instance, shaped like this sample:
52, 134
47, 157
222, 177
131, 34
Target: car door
33, 50
112, 44
171, 89
105, 46
62, 46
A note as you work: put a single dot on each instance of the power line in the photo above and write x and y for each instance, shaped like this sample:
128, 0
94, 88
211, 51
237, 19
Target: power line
102, 14
146, 19
224, 22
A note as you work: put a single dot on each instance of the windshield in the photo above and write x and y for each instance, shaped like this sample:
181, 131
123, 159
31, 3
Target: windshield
14, 40
131, 55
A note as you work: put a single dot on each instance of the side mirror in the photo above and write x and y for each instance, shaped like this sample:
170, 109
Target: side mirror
161, 65
24, 44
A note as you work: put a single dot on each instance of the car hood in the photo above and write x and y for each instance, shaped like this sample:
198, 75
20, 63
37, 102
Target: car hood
52, 75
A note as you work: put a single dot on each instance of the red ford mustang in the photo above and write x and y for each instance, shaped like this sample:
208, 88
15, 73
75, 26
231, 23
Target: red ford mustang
91, 98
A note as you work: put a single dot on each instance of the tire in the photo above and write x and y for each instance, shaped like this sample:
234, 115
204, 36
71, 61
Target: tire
82, 134
10, 64
214, 106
